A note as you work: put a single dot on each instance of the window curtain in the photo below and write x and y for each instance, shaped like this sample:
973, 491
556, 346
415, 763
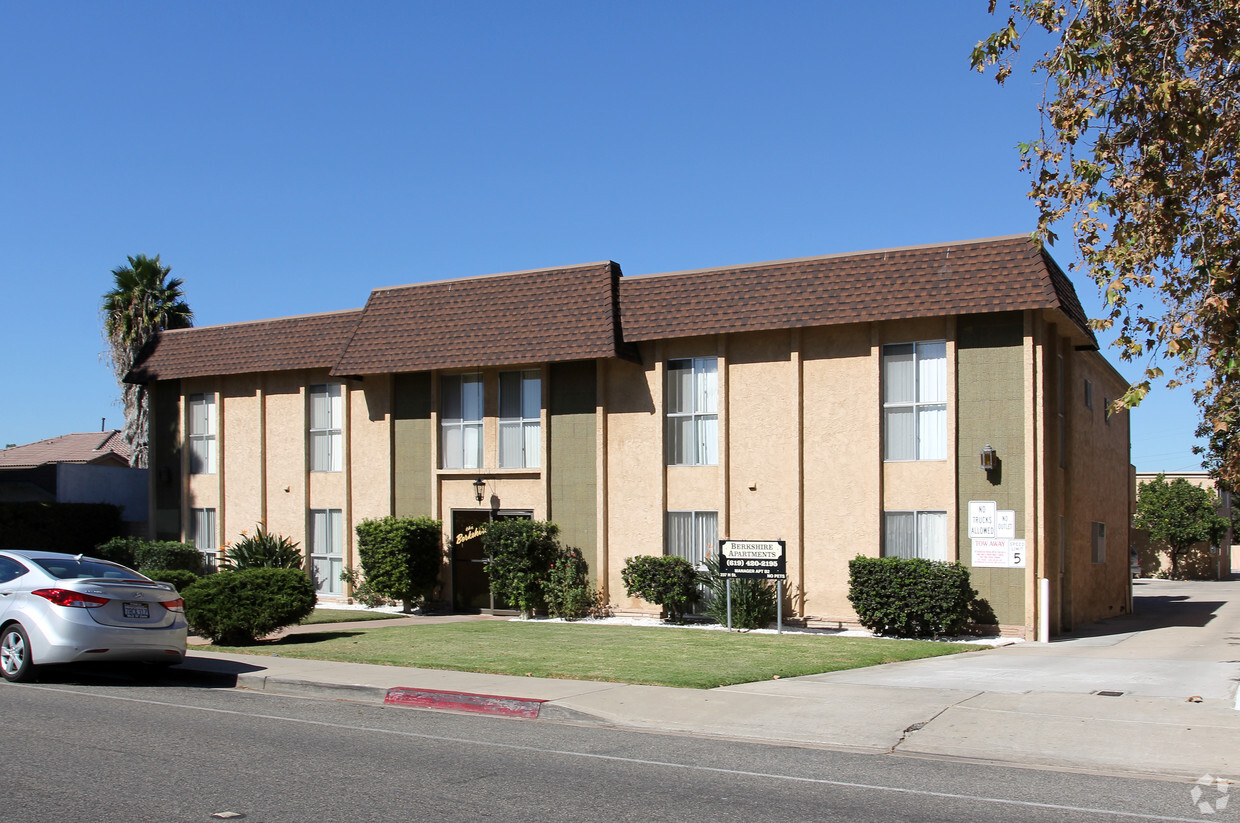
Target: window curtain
932, 535
898, 537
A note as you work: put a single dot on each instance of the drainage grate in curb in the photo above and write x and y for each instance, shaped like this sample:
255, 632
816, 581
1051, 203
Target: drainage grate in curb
1107, 693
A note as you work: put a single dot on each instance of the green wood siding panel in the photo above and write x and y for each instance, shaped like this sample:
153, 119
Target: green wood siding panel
412, 437
573, 459
990, 410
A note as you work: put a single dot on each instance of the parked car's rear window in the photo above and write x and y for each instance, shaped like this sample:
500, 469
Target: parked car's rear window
69, 569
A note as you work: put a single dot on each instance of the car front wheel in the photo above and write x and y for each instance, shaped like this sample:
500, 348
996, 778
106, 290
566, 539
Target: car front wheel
15, 662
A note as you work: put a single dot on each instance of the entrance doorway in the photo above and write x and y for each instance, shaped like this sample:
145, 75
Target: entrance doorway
471, 588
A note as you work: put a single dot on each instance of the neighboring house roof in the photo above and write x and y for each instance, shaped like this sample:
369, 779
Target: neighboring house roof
542, 316
97, 448
590, 311
973, 277
312, 341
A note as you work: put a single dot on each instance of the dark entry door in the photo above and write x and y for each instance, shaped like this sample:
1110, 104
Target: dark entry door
471, 591
471, 588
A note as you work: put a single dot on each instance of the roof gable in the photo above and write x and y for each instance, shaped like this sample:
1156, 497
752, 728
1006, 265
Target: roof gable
542, 316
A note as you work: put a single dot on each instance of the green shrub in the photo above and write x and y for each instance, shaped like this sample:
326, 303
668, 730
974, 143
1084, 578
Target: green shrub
235, 608
401, 557
567, 589
753, 601
167, 555
360, 586
671, 582
521, 553
910, 597
177, 577
262, 551
121, 550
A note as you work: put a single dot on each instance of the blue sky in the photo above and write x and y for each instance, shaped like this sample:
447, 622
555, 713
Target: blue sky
287, 157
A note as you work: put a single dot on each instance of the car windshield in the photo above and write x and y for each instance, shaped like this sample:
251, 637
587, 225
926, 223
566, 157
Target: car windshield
68, 568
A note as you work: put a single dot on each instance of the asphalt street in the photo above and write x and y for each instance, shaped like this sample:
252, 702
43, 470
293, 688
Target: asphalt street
86, 745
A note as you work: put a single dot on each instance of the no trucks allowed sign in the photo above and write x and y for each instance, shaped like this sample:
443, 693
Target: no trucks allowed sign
761, 559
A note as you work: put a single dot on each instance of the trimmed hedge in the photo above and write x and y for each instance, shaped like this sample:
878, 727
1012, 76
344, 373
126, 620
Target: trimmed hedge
177, 577
121, 550
235, 608
168, 555
401, 557
521, 553
910, 597
671, 582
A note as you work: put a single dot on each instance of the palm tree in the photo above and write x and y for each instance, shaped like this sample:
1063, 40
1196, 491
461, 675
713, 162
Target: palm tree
142, 302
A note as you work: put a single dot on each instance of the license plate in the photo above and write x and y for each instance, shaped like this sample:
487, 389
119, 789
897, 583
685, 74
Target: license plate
137, 611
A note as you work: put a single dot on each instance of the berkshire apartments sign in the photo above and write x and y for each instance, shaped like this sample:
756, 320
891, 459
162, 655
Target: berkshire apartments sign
761, 559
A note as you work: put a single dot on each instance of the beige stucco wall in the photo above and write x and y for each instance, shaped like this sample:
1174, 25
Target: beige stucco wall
842, 469
635, 466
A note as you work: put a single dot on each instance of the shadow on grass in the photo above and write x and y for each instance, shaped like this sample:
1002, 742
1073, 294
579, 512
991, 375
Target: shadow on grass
307, 637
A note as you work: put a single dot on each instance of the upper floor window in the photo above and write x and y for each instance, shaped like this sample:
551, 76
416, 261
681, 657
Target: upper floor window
326, 414
915, 534
915, 401
520, 401
460, 421
693, 412
202, 450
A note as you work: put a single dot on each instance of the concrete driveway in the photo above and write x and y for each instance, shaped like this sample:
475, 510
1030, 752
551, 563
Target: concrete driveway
1182, 641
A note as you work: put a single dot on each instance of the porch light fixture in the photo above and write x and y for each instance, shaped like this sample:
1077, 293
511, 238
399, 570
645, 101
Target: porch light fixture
480, 488
988, 458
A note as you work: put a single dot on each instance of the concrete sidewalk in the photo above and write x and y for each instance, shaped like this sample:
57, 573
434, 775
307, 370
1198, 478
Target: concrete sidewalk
1175, 667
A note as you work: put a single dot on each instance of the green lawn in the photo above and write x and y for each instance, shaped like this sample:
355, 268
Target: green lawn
658, 656
346, 616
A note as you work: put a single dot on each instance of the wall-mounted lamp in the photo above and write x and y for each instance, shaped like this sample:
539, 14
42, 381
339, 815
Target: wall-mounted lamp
988, 458
480, 488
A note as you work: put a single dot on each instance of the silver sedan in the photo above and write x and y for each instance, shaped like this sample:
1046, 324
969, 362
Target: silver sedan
64, 608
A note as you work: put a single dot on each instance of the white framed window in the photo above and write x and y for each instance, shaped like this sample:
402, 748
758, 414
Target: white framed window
692, 405
202, 534
327, 550
460, 421
326, 416
692, 535
915, 534
1099, 542
915, 401
520, 402
202, 444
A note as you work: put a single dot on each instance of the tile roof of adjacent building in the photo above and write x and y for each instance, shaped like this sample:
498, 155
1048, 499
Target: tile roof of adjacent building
589, 311
312, 341
107, 447
977, 276
531, 317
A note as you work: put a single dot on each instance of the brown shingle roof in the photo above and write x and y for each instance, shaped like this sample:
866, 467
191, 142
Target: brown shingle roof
106, 447
979, 276
590, 311
530, 317
308, 342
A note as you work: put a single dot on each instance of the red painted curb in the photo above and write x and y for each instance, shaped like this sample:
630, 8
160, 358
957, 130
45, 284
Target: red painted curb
465, 702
